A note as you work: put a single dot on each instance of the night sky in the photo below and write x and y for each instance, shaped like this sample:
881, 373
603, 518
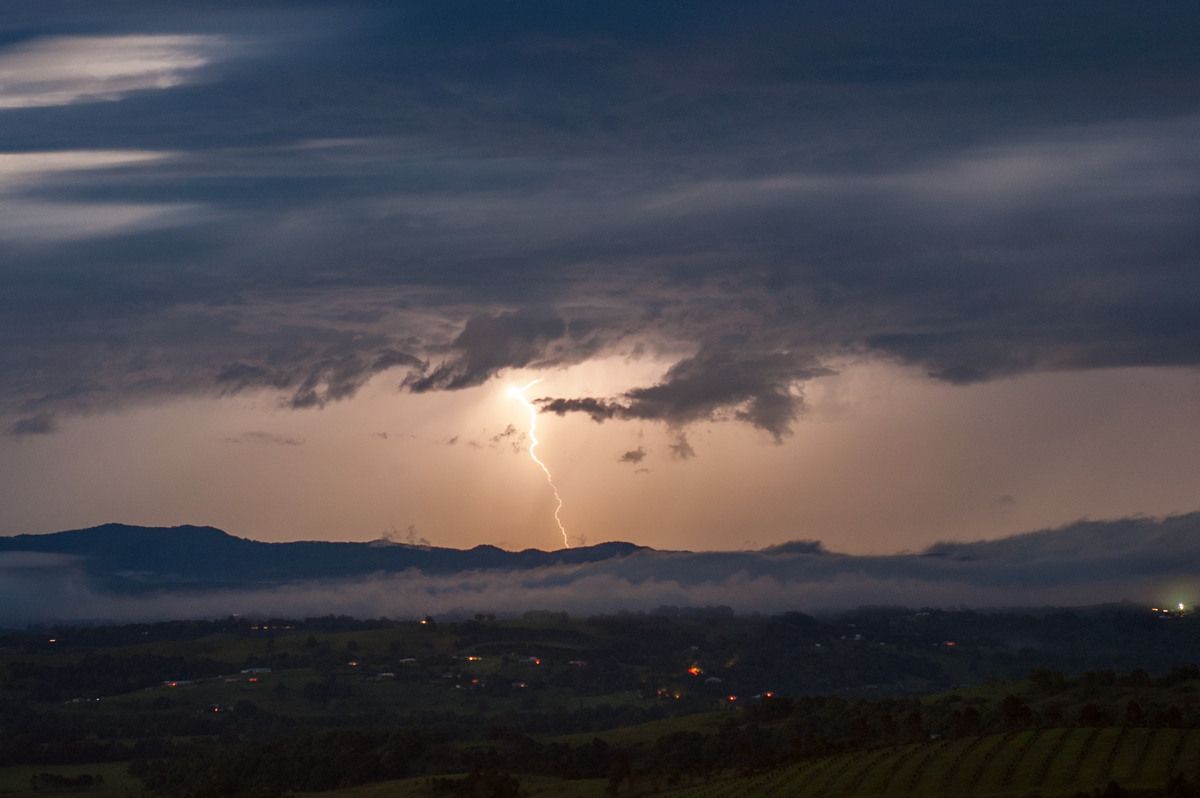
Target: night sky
878, 274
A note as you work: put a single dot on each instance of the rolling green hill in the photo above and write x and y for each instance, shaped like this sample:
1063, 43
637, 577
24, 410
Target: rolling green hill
1051, 763
1046, 762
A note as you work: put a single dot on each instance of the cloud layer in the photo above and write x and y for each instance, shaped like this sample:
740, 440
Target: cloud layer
686, 217
1142, 560
64, 70
762, 193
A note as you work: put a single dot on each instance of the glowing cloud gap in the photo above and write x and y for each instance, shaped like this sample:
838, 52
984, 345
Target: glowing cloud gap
520, 394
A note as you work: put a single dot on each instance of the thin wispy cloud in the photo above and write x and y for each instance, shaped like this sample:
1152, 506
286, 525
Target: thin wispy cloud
265, 438
65, 70
27, 169
29, 179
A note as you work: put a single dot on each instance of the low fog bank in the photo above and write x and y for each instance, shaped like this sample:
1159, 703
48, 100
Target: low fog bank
1141, 560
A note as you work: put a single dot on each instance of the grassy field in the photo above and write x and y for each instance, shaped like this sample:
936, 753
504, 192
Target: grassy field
705, 723
15, 780
282, 692
1052, 763
533, 786
1048, 762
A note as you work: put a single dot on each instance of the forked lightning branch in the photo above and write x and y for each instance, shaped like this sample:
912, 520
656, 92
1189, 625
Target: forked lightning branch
519, 393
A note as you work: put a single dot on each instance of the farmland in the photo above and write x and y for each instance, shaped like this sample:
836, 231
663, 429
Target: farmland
687, 703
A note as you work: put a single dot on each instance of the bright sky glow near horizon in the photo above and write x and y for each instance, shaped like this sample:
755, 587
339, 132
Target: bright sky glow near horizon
783, 271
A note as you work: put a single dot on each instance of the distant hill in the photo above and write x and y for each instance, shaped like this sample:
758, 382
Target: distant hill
134, 559
118, 571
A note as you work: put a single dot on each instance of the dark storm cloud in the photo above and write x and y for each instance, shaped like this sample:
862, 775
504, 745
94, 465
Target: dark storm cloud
633, 456
680, 446
112, 356
317, 376
460, 189
42, 424
510, 436
507, 432
489, 344
598, 409
698, 388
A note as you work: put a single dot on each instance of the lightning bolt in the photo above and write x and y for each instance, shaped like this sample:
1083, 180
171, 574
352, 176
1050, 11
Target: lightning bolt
519, 393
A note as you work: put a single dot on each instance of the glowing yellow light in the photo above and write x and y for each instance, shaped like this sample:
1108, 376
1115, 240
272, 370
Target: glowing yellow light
519, 393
